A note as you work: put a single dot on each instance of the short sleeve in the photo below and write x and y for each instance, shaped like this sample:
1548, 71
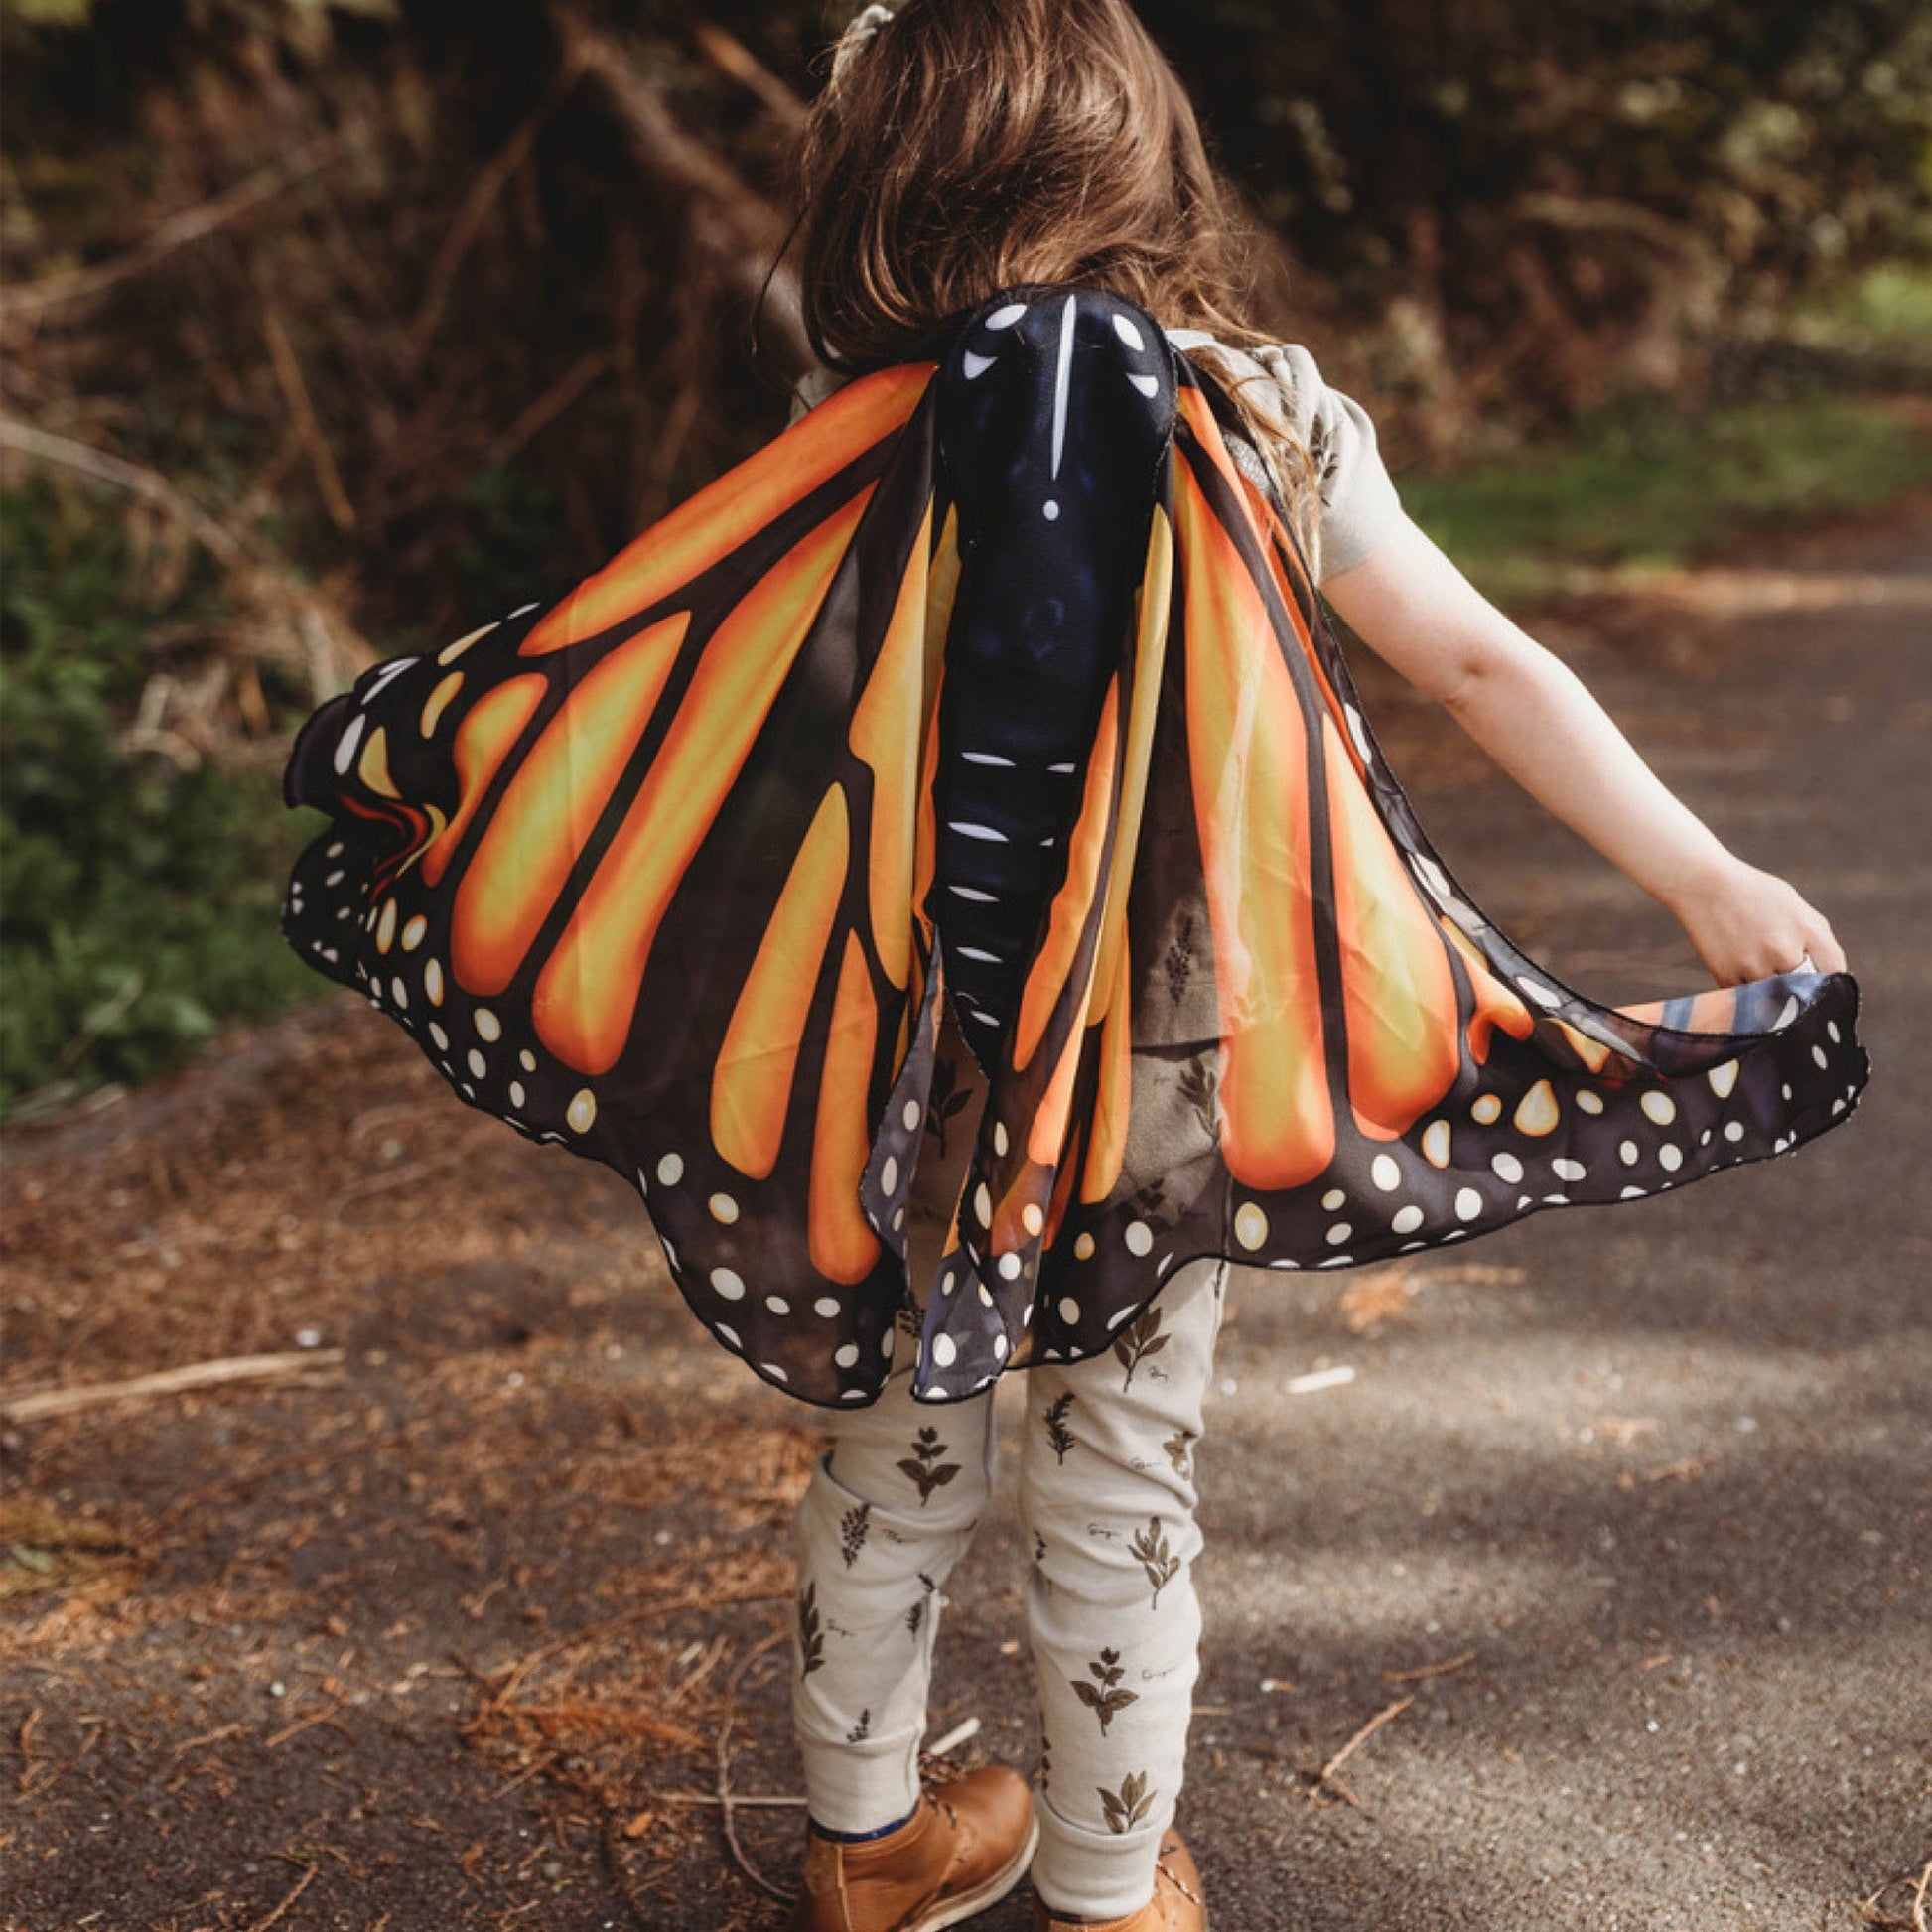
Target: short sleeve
811, 389
1359, 502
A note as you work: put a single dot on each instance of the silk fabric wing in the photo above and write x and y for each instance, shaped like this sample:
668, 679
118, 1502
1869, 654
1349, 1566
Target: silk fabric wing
994, 681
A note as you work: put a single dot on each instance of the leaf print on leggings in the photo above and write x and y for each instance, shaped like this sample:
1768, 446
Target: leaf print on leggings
915, 1617
1160, 1563
1141, 1340
1125, 1807
853, 1526
924, 1468
811, 1639
1057, 1433
1104, 1696
946, 1098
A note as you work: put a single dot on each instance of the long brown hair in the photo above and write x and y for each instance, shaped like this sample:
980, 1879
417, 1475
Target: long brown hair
977, 145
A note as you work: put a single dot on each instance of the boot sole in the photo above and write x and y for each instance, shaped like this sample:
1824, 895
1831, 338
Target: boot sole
969, 1904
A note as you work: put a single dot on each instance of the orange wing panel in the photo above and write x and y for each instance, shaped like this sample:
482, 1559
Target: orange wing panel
719, 517
482, 743
1113, 1093
1248, 755
886, 734
588, 992
1149, 659
551, 807
750, 1087
843, 1245
1497, 1004
1066, 920
1398, 991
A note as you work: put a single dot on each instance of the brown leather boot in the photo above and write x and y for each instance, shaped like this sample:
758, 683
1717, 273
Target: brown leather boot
964, 1849
1177, 1904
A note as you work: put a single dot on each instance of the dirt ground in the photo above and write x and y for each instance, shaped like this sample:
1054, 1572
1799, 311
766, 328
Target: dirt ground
1616, 1538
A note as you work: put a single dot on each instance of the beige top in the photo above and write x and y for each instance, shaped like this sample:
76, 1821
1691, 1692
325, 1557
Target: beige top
1359, 504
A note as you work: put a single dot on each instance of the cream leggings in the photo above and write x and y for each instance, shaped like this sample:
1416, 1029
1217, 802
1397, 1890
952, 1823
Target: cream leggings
1107, 1508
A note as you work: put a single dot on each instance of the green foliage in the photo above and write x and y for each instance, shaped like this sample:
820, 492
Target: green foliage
1888, 307
1645, 486
138, 899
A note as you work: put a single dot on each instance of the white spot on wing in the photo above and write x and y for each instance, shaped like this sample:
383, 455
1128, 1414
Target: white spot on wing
346, 743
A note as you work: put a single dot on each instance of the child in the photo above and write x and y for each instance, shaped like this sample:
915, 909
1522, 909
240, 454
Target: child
1062, 121
945, 865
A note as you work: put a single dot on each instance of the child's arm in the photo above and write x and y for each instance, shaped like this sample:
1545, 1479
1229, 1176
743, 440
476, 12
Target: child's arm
1535, 717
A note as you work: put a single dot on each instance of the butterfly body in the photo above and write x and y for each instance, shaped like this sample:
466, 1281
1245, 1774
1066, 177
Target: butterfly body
1048, 451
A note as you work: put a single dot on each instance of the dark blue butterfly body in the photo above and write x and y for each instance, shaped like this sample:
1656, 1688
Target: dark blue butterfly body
1053, 415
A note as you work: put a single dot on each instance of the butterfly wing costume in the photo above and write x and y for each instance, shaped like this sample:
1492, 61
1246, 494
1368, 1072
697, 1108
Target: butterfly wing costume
993, 681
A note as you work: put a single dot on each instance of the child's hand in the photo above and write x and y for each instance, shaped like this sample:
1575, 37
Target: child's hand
1747, 924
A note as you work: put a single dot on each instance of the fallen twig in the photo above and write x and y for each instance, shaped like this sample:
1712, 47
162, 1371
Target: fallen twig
302, 1884
1428, 1670
172, 1381
1872, 1913
1325, 1779
1319, 1379
963, 1732
726, 1802
188, 1745
734, 1800
325, 1716
24, 1747
591, 1632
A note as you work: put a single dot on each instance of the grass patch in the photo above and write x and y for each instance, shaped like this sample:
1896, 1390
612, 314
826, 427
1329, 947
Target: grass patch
1646, 488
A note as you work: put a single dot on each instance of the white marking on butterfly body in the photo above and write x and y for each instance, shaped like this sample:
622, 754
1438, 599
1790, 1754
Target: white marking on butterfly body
969, 891
1148, 386
975, 367
1124, 327
969, 831
1062, 379
986, 757
1007, 317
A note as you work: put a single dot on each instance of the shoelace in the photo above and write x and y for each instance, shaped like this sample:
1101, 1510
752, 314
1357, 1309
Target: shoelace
1177, 1882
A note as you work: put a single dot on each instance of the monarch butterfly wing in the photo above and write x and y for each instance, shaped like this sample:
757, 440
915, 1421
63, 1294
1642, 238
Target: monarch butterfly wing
1333, 1056
637, 871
